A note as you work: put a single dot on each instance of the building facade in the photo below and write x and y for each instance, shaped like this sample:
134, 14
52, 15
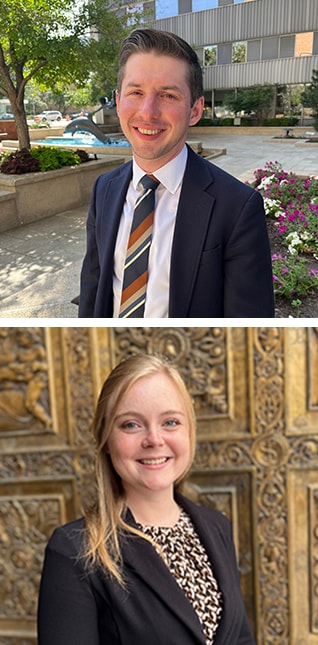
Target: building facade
242, 43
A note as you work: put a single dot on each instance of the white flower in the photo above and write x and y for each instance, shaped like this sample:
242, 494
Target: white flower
305, 236
293, 238
279, 214
266, 181
294, 241
271, 205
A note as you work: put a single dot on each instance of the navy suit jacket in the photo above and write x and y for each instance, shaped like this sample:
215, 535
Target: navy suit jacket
78, 607
220, 261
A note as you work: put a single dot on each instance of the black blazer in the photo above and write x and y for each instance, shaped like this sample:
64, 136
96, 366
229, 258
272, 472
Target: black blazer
220, 262
81, 608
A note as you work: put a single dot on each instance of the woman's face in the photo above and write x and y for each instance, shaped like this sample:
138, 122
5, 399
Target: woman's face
150, 441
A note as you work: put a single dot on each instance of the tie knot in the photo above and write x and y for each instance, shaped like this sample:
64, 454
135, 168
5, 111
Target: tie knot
149, 182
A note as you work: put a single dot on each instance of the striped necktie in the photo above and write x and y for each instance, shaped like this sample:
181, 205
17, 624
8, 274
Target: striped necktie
133, 296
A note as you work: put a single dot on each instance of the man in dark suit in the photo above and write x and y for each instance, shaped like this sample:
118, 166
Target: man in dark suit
209, 252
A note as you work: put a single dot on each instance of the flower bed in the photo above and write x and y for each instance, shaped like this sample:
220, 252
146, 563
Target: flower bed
291, 204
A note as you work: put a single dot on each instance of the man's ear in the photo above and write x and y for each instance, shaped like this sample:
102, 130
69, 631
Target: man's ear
196, 111
117, 97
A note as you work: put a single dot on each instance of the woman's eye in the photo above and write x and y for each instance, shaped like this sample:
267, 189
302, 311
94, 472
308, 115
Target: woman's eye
129, 425
171, 423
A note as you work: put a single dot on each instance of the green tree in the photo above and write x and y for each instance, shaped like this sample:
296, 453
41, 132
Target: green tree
56, 43
257, 100
310, 97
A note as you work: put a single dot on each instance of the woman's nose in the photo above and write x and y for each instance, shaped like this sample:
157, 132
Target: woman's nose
153, 437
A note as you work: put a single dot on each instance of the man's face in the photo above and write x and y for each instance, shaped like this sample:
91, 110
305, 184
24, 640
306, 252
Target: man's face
154, 108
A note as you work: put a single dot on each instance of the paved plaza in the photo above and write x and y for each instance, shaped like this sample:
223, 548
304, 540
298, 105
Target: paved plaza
40, 263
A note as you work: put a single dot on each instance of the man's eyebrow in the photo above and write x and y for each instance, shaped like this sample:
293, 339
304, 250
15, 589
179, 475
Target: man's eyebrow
175, 88
132, 84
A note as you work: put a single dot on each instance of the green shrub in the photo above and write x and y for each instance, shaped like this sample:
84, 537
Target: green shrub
40, 159
51, 158
207, 122
227, 121
283, 121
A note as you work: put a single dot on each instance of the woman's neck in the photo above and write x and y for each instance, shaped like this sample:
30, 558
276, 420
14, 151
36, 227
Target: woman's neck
155, 511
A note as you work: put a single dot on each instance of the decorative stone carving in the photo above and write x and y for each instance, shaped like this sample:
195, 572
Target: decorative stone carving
313, 368
24, 394
25, 526
256, 398
200, 354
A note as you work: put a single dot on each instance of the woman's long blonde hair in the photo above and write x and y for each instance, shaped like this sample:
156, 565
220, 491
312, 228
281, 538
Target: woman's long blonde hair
105, 521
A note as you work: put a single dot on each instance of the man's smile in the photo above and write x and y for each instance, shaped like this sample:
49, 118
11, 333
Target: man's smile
148, 131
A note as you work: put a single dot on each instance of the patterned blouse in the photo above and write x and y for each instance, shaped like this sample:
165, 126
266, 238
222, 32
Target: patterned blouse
188, 562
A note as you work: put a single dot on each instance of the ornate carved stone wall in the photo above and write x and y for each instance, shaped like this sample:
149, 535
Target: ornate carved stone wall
256, 398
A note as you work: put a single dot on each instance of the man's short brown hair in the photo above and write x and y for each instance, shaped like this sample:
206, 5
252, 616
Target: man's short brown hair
167, 44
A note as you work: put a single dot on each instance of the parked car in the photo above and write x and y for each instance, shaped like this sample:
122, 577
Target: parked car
7, 117
48, 115
75, 115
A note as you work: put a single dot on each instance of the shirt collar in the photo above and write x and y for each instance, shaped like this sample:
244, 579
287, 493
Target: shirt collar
170, 175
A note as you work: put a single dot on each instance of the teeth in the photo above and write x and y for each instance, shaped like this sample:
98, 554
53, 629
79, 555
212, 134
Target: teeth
153, 462
142, 131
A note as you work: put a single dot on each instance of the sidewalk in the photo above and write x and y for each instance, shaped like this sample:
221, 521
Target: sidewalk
40, 263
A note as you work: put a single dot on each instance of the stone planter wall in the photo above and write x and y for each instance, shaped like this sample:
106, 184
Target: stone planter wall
34, 196
42, 133
241, 130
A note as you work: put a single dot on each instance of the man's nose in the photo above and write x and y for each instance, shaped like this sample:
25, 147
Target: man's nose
150, 106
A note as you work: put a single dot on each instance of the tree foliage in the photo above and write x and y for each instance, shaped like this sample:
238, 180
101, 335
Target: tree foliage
251, 100
56, 43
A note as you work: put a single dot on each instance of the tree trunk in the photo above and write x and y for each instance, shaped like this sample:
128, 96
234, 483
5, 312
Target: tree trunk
17, 107
15, 94
22, 130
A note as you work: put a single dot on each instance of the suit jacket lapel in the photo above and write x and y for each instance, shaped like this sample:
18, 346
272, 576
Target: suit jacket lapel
192, 221
223, 568
149, 566
113, 201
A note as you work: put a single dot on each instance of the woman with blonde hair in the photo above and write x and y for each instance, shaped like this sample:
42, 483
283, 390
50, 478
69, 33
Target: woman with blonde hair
145, 566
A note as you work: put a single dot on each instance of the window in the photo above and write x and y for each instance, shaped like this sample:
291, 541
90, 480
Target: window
286, 46
200, 5
239, 52
253, 50
304, 44
270, 48
209, 55
166, 8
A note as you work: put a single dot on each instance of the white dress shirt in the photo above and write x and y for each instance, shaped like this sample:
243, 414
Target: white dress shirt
167, 196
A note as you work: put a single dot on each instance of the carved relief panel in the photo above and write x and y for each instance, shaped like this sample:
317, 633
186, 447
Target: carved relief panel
256, 397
